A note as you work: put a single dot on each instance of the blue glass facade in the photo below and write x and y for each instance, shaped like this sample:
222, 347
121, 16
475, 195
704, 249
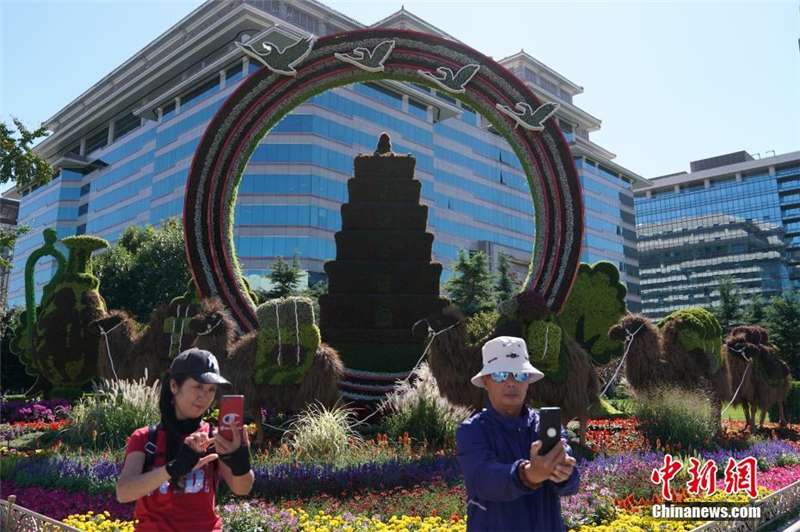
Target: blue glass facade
293, 188
700, 227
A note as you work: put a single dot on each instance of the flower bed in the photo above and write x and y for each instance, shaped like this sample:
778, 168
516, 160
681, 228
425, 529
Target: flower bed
59, 503
98, 522
46, 410
614, 436
389, 485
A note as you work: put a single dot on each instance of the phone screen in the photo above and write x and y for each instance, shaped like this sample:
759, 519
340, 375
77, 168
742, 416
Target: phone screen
231, 408
549, 428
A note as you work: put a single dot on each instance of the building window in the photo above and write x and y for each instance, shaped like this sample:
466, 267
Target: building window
126, 124
233, 74
168, 111
199, 94
97, 140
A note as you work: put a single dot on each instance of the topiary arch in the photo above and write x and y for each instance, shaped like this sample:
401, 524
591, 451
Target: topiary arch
312, 66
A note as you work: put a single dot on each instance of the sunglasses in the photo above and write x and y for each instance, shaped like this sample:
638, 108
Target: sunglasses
501, 376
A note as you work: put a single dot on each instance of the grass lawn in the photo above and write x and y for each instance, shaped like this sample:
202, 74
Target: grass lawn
735, 412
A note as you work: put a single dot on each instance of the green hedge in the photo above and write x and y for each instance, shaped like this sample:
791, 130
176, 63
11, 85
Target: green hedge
373, 277
552, 362
384, 217
699, 331
286, 312
291, 314
394, 190
791, 406
595, 304
368, 336
380, 358
343, 311
268, 371
384, 246
382, 167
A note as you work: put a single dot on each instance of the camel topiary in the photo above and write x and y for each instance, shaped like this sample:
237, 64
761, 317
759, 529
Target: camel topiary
281, 366
570, 381
766, 382
685, 350
125, 348
645, 365
452, 358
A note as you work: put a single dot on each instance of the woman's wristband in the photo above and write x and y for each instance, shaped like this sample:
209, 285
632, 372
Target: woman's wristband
238, 460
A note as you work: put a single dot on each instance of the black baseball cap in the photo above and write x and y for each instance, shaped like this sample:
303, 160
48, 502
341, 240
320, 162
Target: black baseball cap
200, 365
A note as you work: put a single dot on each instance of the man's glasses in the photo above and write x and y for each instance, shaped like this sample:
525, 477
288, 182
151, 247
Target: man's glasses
501, 376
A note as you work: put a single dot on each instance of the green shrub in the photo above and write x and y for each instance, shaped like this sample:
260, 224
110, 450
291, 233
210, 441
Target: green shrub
674, 416
418, 409
791, 406
115, 410
482, 324
787, 460
323, 434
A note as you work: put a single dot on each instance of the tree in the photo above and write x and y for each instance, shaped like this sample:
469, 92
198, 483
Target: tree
18, 163
470, 285
146, 267
728, 312
285, 278
319, 289
783, 324
8, 239
755, 311
507, 282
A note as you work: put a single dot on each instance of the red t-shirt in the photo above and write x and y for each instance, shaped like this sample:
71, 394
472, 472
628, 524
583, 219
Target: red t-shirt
164, 510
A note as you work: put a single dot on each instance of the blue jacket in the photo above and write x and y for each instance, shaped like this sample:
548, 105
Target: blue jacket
490, 451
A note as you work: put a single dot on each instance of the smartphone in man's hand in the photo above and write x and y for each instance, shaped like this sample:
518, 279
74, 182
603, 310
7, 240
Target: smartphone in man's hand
231, 408
549, 428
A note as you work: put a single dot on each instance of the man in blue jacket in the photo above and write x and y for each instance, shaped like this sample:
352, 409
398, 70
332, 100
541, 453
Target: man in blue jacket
509, 486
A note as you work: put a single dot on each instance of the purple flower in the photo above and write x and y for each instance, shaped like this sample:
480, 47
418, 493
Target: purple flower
47, 410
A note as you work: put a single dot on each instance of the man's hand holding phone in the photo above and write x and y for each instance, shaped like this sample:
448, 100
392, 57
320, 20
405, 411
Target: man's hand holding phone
556, 465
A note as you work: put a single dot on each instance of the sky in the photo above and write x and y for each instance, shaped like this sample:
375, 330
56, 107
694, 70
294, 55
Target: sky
671, 82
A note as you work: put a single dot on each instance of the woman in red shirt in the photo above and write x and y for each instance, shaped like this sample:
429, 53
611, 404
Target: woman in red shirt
178, 493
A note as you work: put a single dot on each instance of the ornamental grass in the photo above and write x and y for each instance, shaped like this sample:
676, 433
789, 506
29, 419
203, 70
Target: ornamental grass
673, 416
323, 434
106, 419
417, 409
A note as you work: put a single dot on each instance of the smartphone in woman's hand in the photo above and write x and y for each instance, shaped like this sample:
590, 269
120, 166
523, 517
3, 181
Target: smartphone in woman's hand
231, 409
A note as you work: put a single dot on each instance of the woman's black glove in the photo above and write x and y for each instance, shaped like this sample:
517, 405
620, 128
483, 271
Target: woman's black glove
184, 463
238, 460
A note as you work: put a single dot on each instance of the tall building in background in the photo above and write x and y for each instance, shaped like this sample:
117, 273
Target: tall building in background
732, 216
125, 146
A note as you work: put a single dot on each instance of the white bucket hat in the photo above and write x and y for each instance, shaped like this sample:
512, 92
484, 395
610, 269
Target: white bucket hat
506, 353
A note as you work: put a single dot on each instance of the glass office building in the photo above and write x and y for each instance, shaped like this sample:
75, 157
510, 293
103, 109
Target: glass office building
125, 147
732, 216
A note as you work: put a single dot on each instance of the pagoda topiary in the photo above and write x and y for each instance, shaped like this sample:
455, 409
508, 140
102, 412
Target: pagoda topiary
383, 279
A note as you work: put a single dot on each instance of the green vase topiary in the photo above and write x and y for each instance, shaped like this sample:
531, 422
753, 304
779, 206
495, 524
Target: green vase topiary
58, 339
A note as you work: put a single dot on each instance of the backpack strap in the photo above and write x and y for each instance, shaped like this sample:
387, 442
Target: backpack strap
151, 447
